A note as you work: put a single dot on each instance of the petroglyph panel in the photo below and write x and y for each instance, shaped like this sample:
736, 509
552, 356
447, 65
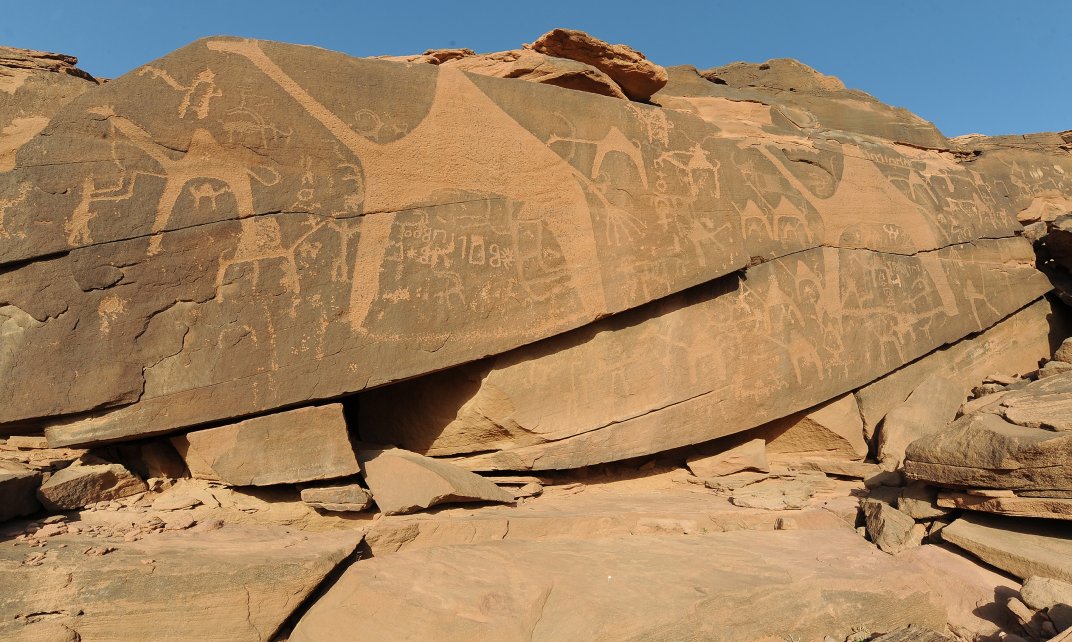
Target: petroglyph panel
716, 360
251, 225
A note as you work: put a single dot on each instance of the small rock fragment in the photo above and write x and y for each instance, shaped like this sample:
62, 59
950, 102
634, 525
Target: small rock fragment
90, 481
890, 529
337, 497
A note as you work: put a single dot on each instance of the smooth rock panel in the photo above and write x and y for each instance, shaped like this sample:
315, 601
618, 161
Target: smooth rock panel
404, 482
1022, 547
289, 447
715, 361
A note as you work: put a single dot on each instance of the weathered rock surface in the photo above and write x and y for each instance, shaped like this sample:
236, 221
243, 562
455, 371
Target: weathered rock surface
235, 583
1045, 592
86, 482
802, 583
289, 447
338, 498
1014, 506
34, 86
523, 64
890, 529
914, 634
18, 490
1022, 547
834, 430
718, 360
1013, 346
930, 408
638, 77
751, 455
920, 501
404, 482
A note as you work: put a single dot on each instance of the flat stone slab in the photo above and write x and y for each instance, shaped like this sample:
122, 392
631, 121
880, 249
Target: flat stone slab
1041, 507
235, 583
405, 482
811, 583
87, 482
1020, 546
289, 447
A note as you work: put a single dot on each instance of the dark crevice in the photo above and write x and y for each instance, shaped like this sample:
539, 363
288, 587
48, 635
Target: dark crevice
363, 551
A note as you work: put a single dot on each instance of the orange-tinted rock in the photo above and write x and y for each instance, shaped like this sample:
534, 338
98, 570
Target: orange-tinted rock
524, 64
638, 77
404, 482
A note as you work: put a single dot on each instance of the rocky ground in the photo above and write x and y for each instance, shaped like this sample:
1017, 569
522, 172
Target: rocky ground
617, 353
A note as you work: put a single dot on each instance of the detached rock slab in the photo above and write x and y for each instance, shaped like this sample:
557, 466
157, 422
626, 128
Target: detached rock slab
890, 529
86, 482
1045, 592
18, 490
289, 447
405, 482
1022, 547
751, 455
337, 498
930, 407
638, 77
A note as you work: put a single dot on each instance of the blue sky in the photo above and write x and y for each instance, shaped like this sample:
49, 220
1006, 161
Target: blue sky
968, 65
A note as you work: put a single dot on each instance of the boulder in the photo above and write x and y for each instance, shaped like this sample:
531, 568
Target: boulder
638, 77
337, 497
983, 450
18, 490
832, 430
1052, 411
774, 494
86, 482
1045, 592
1064, 351
1022, 547
1054, 368
601, 589
890, 529
289, 447
698, 366
1015, 506
930, 408
751, 455
535, 67
236, 583
405, 482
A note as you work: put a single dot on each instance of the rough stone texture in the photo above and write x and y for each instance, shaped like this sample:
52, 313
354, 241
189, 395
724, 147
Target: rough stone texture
982, 450
1045, 592
638, 77
914, 634
1042, 507
751, 455
809, 100
1064, 351
720, 359
404, 482
18, 490
930, 408
1049, 411
833, 430
368, 255
1013, 346
235, 583
512, 591
284, 448
1022, 547
528, 65
34, 85
86, 482
890, 529
920, 501
338, 498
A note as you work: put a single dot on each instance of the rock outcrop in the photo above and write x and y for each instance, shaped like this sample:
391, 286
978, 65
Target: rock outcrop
638, 77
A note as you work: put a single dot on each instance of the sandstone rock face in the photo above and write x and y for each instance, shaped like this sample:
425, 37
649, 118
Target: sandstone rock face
930, 408
718, 360
1014, 506
638, 77
338, 498
34, 85
18, 490
236, 583
535, 67
1045, 592
512, 591
751, 455
1013, 346
404, 482
1021, 547
834, 430
920, 501
87, 482
378, 257
285, 448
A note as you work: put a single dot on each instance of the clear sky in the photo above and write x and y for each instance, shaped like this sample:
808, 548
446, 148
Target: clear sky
968, 65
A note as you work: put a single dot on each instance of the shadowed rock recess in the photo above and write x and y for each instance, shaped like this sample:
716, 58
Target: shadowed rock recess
538, 331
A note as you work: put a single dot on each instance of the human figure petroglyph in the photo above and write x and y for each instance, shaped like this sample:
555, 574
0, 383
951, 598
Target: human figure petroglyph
436, 160
198, 94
